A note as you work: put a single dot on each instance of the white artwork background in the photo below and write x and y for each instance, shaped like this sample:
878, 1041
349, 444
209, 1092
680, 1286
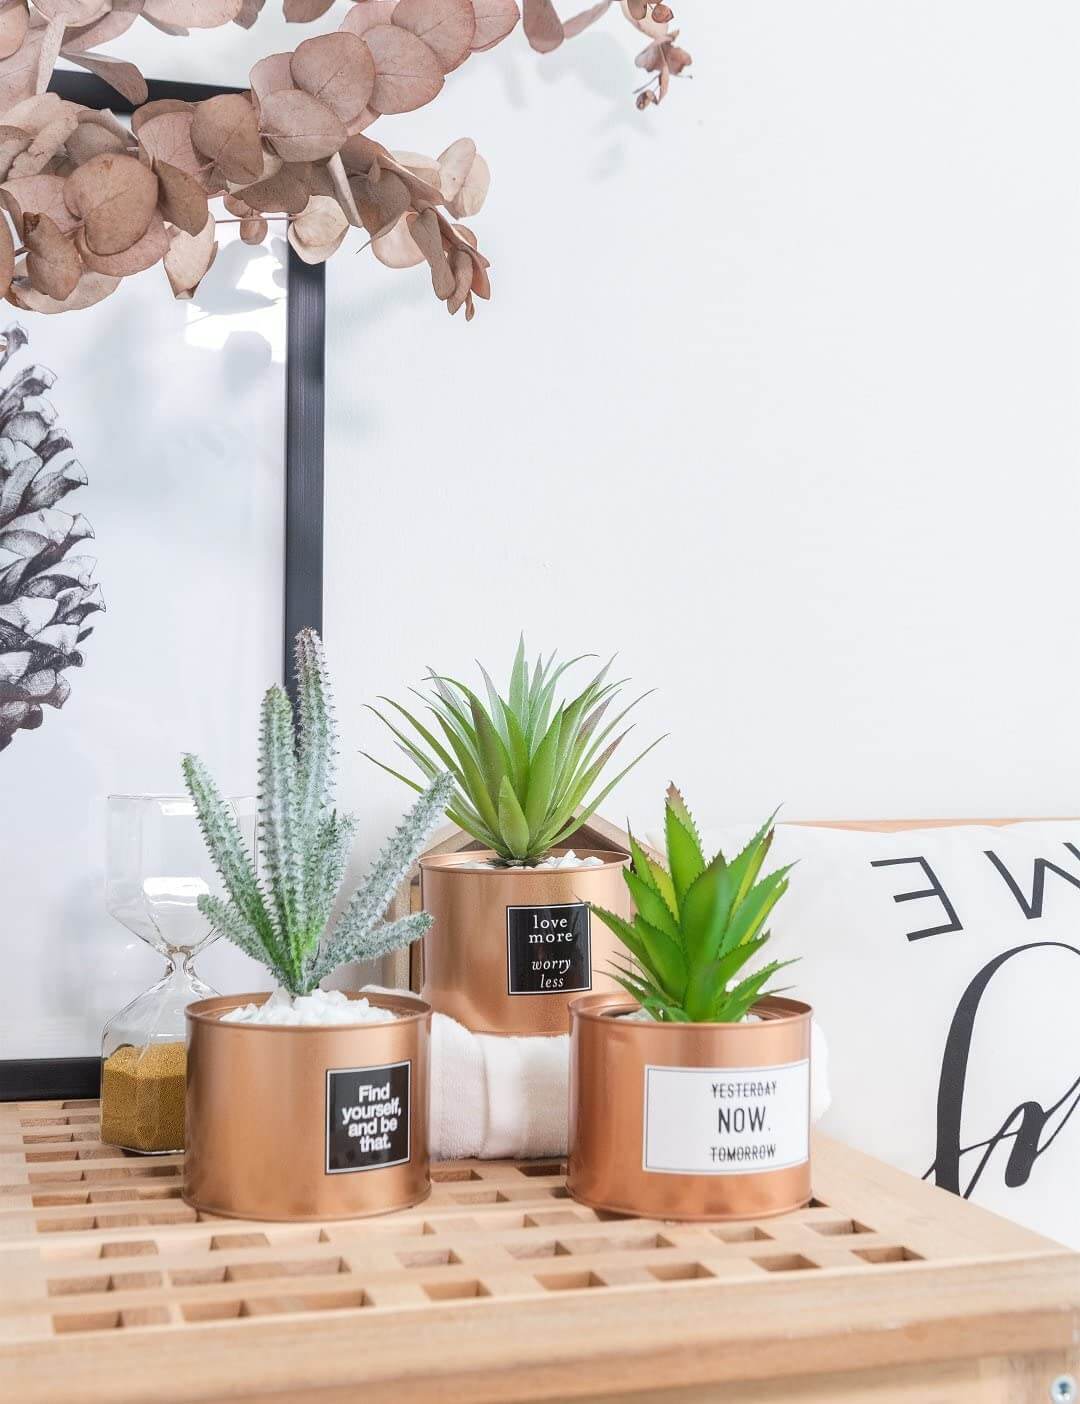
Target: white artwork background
176, 412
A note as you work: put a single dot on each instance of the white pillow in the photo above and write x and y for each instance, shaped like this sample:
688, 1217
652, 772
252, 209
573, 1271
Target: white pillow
944, 967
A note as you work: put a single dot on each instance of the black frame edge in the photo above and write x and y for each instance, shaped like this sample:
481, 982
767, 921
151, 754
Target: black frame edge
305, 406
49, 1079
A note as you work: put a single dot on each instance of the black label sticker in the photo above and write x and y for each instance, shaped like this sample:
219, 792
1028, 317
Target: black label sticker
548, 950
367, 1117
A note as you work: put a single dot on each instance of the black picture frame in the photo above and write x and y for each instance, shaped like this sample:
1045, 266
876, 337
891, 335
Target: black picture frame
48, 1079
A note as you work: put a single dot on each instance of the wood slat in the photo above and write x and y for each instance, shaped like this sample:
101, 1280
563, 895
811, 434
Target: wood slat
501, 1288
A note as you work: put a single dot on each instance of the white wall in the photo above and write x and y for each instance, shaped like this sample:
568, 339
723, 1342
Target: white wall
777, 396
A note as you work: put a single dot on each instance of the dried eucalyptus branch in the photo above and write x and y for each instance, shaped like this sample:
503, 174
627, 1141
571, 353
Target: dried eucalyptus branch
93, 203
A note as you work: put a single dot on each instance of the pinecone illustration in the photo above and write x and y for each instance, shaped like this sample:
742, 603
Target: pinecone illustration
46, 590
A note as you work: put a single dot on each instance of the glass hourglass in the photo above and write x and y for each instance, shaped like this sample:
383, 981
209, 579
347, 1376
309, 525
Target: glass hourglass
157, 867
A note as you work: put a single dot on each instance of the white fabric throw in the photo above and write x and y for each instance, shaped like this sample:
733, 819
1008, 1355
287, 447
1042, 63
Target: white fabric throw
496, 1097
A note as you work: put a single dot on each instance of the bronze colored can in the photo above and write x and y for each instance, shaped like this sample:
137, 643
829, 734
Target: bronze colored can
689, 1121
291, 1122
511, 947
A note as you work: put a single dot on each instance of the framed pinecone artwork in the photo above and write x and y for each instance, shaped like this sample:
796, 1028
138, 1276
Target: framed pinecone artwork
48, 595
160, 541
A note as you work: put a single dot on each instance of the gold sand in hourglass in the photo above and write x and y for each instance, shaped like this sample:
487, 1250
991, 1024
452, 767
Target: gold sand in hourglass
142, 1097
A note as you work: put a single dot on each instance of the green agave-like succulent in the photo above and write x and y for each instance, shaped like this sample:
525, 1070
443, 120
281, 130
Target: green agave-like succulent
697, 924
283, 920
525, 767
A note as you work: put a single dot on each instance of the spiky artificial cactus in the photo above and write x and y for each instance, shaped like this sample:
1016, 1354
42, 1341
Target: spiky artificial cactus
46, 593
283, 921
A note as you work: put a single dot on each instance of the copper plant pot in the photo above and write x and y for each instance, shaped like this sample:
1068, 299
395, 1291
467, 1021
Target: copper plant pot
511, 947
689, 1121
301, 1123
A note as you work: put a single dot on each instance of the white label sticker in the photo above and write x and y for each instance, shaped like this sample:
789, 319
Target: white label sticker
726, 1121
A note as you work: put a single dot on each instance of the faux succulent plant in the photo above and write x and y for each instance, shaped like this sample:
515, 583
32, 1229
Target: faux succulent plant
284, 921
92, 202
698, 924
526, 767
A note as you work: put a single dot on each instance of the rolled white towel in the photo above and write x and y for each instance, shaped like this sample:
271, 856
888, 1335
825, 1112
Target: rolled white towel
495, 1097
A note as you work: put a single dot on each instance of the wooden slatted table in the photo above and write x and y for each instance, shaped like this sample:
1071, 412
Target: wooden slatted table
500, 1289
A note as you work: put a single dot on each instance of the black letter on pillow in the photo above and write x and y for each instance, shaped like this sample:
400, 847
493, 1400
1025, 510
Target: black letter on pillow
1034, 908
1030, 1127
934, 890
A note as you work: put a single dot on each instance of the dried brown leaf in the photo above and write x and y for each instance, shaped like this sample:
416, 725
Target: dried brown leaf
425, 167
461, 266
12, 142
585, 18
454, 165
226, 130
543, 27
427, 235
72, 12
158, 108
92, 288
192, 14
189, 259
175, 31
494, 21
253, 231
472, 193
381, 202
168, 138
91, 139
116, 20
49, 40
115, 197
44, 146
339, 182
365, 119
52, 263
397, 248
34, 113
181, 198
359, 152
678, 59
338, 70
271, 75
481, 283
299, 127
447, 27
367, 14
14, 22
40, 194
639, 17
19, 73
119, 74
465, 234
7, 257
92, 116
318, 231
407, 73
304, 11
285, 192
142, 254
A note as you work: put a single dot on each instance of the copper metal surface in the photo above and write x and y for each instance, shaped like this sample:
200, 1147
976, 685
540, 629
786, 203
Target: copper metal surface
608, 1057
465, 952
256, 1113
